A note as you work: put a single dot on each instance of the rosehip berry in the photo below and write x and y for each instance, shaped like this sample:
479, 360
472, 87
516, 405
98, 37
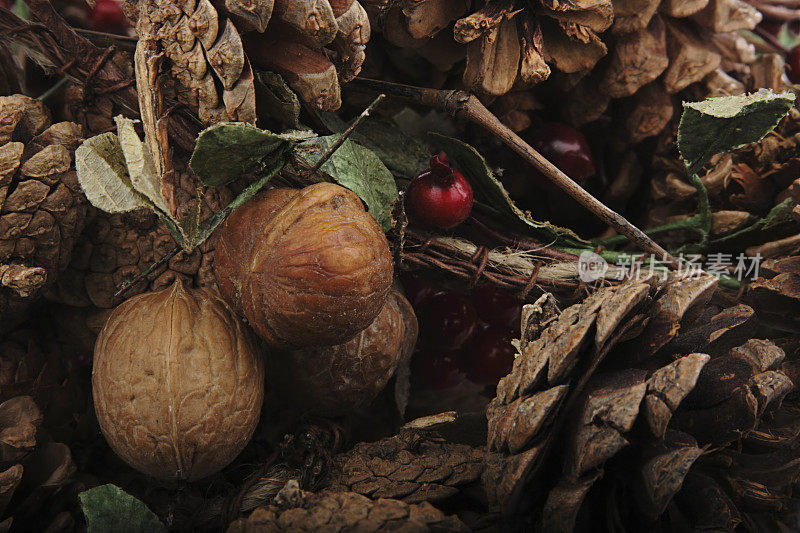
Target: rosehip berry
440, 197
490, 356
418, 288
495, 306
107, 16
793, 64
437, 368
448, 320
567, 149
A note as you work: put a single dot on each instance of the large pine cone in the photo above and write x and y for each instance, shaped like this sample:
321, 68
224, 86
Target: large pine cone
42, 207
210, 64
616, 400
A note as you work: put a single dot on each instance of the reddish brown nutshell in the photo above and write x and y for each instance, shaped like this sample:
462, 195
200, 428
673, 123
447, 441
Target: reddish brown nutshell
306, 267
177, 383
334, 380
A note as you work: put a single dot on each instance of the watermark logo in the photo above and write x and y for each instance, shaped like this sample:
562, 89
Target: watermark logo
591, 267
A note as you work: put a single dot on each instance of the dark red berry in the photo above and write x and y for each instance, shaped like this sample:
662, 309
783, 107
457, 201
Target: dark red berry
793, 64
448, 320
568, 149
418, 288
437, 368
440, 197
495, 306
491, 355
107, 16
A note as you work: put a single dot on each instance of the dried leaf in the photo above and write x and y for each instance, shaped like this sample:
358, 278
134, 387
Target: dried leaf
360, 170
724, 123
140, 165
229, 150
276, 100
109, 508
103, 175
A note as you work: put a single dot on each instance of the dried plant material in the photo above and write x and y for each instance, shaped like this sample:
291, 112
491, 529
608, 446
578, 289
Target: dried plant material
633, 15
636, 60
585, 102
481, 21
719, 83
596, 15
532, 68
651, 112
667, 387
574, 50
767, 71
690, 59
296, 510
310, 18
351, 39
776, 298
681, 8
663, 469
747, 190
426, 18
413, 467
493, 60
250, 15
723, 16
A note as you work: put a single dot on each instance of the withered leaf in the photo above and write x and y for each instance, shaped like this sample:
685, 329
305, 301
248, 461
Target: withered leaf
140, 165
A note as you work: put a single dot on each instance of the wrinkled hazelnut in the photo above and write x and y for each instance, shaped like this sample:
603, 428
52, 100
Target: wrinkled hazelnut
178, 383
306, 267
334, 380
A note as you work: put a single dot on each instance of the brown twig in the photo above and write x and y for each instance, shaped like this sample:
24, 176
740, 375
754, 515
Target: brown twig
522, 243
149, 270
464, 104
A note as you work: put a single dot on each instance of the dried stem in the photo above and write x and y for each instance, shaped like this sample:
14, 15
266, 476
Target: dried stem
464, 104
770, 39
149, 270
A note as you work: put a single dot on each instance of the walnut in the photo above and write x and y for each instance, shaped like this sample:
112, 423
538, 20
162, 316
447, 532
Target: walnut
177, 383
306, 267
334, 380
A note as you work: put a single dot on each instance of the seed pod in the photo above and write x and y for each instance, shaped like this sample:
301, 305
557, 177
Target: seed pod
337, 379
177, 383
306, 267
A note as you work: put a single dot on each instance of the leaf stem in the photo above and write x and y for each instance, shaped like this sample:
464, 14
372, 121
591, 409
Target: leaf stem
343, 137
462, 103
45, 96
146, 272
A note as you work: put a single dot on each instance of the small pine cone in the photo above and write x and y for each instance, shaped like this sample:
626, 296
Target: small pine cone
296, 510
115, 248
413, 467
42, 207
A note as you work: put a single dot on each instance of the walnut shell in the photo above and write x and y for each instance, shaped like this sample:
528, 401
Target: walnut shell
306, 267
178, 383
334, 380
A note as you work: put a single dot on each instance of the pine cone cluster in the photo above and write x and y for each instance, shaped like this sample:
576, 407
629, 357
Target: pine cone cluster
645, 393
42, 207
209, 56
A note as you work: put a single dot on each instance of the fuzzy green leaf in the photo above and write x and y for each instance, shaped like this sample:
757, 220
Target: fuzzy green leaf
103, 175
724, 123
360, 170
401, 154
109, 508
229, 150
489, 194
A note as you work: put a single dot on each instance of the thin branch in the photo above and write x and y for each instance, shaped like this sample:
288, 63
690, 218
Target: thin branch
464, 104
146, 272
343, 137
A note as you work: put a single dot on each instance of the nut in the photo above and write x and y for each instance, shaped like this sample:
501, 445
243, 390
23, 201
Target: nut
177, 383
306, 267
334, 380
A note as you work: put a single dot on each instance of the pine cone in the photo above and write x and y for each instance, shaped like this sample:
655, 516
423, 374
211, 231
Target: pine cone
641, 51
115, 248
296, 510
42, 207
412, 467
211, 71
615, 400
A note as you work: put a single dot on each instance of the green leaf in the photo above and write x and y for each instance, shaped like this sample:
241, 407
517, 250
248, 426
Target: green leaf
109, 508
403, 155
103, 175
229, 150
724, 123
360, 170
141, 168
489, 194
276, 101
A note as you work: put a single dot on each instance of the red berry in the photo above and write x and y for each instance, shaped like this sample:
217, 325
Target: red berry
107, 16
448, 320
418, 288
793, 64
437, 368
491, 356
440, 197
567, 149
495, 306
